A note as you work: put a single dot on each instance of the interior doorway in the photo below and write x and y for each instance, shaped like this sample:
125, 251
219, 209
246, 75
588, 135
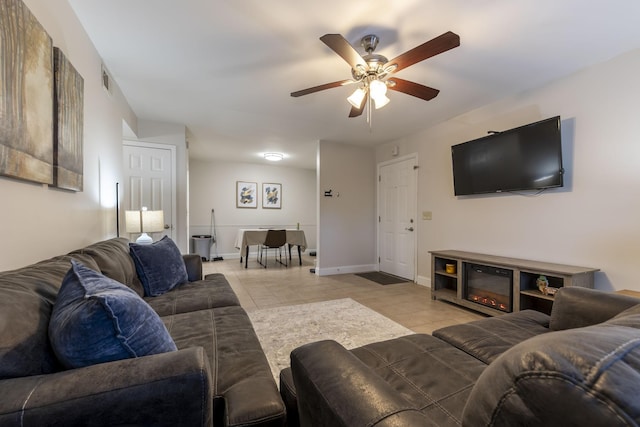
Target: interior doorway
150, 181
397, 225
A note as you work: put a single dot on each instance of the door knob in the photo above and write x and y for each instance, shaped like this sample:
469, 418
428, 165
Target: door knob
409, 228
167, 226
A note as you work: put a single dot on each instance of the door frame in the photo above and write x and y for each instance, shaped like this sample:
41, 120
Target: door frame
380, 165
173, 151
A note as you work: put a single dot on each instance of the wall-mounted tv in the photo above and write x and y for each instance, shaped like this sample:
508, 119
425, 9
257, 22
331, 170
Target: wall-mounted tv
528, 157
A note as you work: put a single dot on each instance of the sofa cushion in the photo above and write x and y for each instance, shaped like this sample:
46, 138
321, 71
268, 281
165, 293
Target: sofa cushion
488, 338
97, 319
242, 378
112, 256
433, 376
212, 292
159, 265
584, 376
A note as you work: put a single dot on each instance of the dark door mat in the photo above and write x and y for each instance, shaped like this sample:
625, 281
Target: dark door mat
382, 278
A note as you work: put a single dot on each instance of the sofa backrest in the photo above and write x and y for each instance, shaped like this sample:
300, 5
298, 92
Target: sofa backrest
576, 307
584, 376
112, 256
27, 296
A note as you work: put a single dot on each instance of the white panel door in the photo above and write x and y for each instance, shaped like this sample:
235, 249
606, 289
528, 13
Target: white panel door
396, 217
150, 182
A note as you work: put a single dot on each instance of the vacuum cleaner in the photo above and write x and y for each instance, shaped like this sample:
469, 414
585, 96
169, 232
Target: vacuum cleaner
213, 235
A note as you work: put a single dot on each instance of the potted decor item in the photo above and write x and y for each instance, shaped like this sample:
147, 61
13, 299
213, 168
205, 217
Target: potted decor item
542, 284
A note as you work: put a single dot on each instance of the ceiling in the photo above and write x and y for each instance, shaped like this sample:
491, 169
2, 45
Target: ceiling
225, 69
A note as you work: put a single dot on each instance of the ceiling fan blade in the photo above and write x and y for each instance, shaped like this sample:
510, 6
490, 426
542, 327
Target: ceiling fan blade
433, 47
414, 89
321, 87
342, 47
357, 111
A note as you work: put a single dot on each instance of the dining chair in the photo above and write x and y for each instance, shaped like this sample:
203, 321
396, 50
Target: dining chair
275, 239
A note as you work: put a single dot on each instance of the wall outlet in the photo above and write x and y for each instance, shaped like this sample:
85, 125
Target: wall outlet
426, 215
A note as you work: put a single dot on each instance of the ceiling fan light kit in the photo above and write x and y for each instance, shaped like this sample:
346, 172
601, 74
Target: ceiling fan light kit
372, 70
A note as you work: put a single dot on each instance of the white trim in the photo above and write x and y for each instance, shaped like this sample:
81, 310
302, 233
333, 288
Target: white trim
424, 281
346, 269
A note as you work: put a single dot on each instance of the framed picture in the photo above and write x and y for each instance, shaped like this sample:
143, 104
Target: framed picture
68, 112
26, 94
271, 195
246, 194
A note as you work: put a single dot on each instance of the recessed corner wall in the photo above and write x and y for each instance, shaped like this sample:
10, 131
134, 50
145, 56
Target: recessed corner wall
212, 186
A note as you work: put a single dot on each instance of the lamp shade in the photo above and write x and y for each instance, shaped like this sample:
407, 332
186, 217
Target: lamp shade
378, 89
356, 97
144, 221
132, 221
152, 221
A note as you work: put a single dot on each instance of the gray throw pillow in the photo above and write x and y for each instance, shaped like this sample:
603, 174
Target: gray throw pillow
96, 319
159, 265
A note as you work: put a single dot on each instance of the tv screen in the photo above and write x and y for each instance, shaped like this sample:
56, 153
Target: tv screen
524, 158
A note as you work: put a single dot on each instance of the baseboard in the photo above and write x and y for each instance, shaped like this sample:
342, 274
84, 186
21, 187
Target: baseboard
346, 269
424, 281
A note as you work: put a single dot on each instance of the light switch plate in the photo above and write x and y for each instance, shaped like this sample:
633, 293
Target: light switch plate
426, 215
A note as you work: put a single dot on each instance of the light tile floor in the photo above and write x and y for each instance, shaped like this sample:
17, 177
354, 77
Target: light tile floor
408, 304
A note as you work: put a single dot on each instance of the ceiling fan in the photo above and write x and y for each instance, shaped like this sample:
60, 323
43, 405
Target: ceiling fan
373, 71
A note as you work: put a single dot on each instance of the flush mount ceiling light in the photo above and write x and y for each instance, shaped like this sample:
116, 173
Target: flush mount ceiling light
273, 157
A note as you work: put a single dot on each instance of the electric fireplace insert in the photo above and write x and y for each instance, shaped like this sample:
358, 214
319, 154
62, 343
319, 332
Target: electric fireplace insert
489, 286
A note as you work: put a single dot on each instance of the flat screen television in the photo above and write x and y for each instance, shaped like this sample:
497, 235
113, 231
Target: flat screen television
528, 157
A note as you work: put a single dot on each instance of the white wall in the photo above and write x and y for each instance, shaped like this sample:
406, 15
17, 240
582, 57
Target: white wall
347, 233
212, 185
593, 221
37, 222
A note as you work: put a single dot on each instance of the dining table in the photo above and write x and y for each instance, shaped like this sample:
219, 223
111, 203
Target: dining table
248, 237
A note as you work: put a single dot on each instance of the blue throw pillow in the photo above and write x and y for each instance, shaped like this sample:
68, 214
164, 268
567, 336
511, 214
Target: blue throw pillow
159, 265
96, 319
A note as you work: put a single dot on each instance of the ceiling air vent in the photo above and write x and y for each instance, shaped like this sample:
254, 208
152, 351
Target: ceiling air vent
106, 80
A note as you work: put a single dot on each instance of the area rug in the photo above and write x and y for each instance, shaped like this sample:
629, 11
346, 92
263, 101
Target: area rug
382, 278
282, 329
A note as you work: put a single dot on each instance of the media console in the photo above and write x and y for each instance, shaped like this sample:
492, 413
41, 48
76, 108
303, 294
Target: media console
496, 285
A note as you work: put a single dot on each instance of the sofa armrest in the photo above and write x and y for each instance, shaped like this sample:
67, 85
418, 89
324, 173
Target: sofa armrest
335, 388
576, 307
165, 389
193, 262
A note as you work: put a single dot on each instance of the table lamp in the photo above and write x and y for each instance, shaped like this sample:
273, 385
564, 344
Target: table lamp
144, 221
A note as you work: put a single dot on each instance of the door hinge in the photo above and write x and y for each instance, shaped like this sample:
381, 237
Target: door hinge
416, 167
379, 220
379, 178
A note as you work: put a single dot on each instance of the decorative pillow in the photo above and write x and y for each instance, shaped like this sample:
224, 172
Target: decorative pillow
96, 319
159, 265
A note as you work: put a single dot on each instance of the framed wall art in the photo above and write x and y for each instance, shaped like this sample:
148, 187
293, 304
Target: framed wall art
246, 194
26, 95
68, 113
271, 195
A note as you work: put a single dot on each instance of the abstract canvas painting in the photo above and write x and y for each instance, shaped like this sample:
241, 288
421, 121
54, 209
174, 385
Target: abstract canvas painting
246, 194
26, 95
68, 113
271, 196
